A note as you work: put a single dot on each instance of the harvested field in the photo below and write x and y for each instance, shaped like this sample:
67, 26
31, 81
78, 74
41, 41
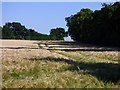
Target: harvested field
35, 67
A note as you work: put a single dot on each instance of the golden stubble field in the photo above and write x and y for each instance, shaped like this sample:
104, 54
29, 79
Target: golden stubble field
32, 67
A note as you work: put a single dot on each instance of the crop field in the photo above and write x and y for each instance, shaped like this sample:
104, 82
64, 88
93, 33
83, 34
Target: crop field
35, 67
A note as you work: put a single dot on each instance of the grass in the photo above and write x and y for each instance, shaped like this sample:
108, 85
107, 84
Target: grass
110, 57
59, 69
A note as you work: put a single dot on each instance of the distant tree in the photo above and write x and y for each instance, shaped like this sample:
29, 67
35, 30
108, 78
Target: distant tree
0, 28
58, 34
0, 32
15, 30
7, 33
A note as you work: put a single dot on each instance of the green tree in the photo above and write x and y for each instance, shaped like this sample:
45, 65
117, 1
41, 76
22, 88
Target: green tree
7, 33
0, 32
79, 25
0, 28
107, 24
58, 34
99, 27
15, 30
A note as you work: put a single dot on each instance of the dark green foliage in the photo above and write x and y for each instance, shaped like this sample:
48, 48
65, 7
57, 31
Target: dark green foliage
0, 32
0, 28
15, 30
79, 25
58, 34
99, 27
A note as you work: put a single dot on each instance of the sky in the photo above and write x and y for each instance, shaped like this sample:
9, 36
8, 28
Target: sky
43, 16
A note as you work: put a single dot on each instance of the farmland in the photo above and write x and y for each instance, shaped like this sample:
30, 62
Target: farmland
25, 64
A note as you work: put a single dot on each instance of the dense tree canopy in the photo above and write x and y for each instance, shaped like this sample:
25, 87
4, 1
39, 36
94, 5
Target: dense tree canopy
58, 34
79, 23
15, 30
99, 27
0, 32
0, 28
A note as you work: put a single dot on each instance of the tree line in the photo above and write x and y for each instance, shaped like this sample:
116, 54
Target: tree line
15, 30
100, 27
97, 27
